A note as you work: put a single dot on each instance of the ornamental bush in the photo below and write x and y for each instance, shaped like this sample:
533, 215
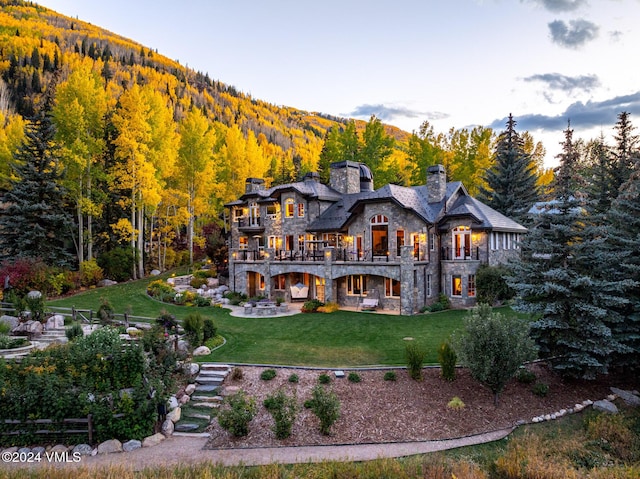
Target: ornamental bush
237, 413
415, 355
326, 406
193, 325
283, 409
447, 358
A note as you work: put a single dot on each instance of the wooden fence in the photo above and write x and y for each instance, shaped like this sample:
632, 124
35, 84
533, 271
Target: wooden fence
48, 428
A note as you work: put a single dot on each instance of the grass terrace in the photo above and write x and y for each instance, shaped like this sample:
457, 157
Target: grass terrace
339, 339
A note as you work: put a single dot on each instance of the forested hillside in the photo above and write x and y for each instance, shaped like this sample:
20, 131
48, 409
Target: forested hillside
147, 151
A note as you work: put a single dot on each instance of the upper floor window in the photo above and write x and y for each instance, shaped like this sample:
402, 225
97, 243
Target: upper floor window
272, 210
288, 208
243, 242
380, 235
462, 242
300, 210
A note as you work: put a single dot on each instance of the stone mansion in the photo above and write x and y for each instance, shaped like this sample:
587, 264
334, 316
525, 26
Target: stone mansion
344, 241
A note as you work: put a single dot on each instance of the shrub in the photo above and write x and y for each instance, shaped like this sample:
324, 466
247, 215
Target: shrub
615, 431
167, 321
354, 378
193, 325
493, 347
440, 305
326, 406
197, 282
90, 273
447, 358
5, 328
117, 264
415, 355
540, 389
161, 290
237, 374
324, 379
25, 274
237, 414
525, 376
283, 409
105, 312
74, 332
311, 306
390, 376
294, 378
329, 307
268, 374
7, 342
201, 301
234, 297
456, 403
279, 300
491, 286
35, 304
209, 329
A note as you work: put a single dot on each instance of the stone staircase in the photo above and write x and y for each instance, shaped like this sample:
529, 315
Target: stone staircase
51, 336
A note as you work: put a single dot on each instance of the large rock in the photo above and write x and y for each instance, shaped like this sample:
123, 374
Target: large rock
106, 282
12, 321
34, 295
605, 406
172, 403
154, 272
131, 445
627, 396
83, 449
154, 440
55, 322
190, 389
174, 415
201, 351
167, 427
110, 446
33, 328
58, 448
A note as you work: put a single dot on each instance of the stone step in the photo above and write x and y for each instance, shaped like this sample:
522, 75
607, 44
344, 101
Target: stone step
217, 399
216, 381
195, 415
210, 405
206, 388
215, 367
55, 332
214, 374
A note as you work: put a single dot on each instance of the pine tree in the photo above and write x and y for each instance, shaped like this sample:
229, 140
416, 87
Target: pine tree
33, 222
557, 278
512, 188
625, 153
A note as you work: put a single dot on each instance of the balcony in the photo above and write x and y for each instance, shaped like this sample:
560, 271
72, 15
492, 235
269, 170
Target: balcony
460, 254
251, 225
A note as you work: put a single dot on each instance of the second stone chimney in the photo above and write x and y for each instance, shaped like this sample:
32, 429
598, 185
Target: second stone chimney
345, 177
436, 183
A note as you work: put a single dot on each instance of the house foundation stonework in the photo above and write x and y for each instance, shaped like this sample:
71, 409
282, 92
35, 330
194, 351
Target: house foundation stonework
345, 241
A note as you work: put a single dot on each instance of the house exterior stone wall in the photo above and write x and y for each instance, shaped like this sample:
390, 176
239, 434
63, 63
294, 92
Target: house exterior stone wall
427, 263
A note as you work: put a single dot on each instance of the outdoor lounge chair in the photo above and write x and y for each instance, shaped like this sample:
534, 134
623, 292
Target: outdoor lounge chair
370, 302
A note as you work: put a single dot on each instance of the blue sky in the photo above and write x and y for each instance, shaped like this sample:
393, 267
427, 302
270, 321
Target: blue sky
454, 63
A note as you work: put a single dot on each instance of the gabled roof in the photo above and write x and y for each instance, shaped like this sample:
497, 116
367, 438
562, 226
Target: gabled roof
485, 216
309, 189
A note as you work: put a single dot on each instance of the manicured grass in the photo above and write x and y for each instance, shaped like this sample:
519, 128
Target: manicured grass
340, 339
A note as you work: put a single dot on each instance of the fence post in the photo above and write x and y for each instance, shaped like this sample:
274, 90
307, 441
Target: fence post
126, 320
90, 428
73, 313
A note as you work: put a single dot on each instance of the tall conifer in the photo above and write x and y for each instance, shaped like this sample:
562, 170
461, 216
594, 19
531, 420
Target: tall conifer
33, 222
556, 278
511, 183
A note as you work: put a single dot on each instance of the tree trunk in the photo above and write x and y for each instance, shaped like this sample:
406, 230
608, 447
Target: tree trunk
141, 242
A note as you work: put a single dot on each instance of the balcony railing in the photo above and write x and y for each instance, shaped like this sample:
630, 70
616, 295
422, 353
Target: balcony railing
460, 254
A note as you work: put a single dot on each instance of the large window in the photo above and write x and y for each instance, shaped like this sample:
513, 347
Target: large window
300, 210
288, 208
272, 210
456, 285
279, 282
391, 288
462, 242
380, 235
471, 287
254, 214
399, 242
356, 284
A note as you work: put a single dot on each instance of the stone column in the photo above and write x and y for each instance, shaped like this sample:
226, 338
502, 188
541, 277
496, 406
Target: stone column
268, 255
328, 282
407, 286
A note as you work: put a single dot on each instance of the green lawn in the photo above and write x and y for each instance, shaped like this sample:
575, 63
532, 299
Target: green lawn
340, 339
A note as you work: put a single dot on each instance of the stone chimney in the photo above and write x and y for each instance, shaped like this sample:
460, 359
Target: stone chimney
436, 183
345, 177
253, 184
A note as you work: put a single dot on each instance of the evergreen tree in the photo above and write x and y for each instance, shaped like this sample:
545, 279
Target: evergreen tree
33, 223
625, 153
557, 278
624, 265
512, 188
599, 177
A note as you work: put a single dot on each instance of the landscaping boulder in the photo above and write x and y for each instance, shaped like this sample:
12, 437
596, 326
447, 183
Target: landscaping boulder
55, 322
184, 399
34, 295
106, 282
190, 388
154, 440
167, 427
131, 445
605, 406
154, 272
12, 321
110, 446
627, 396
174, 415
83, 449
59, 448
172, 403
201, 351
31, 328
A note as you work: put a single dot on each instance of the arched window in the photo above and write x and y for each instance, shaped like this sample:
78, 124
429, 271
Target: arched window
380, 235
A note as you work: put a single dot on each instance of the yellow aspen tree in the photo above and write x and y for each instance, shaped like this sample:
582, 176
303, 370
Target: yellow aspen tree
12, 129
79, 110
132, 171
196, 166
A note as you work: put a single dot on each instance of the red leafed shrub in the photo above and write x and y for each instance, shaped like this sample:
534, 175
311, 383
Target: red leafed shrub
25, 274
